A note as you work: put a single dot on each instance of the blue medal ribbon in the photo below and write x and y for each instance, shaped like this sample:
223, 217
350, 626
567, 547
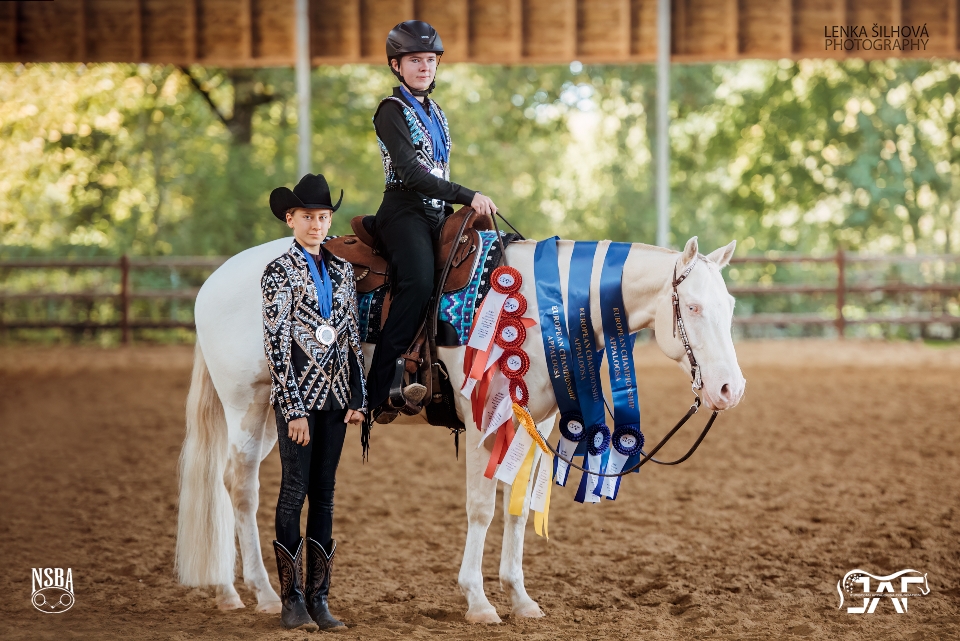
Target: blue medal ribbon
553, 330
587, 363
324, 289
438, 139
627, 439
585, 350
556, 347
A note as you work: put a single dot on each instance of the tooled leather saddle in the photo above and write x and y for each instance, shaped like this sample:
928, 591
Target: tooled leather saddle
457, 251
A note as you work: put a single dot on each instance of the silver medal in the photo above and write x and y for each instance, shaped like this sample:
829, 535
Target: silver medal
326, 334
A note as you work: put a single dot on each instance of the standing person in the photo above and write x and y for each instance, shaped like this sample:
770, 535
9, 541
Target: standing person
415, 147
312, 343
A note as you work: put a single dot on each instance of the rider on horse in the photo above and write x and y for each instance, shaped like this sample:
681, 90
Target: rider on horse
415, 147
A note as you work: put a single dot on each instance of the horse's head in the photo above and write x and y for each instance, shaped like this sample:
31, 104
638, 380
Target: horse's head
706, 309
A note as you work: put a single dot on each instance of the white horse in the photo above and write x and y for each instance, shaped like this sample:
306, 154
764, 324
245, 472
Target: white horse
231, 428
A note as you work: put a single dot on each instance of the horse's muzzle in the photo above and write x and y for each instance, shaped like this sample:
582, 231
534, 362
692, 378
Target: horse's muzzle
726, 395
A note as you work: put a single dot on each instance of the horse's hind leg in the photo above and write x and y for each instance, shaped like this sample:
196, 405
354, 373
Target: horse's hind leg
511, 556
481, 501
256, 435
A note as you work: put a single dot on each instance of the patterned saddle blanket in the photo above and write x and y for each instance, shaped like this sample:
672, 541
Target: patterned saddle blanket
456, 307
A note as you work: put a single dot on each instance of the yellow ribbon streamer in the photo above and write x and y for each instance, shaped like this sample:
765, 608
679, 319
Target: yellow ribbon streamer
540, 518
518, 493
523, 416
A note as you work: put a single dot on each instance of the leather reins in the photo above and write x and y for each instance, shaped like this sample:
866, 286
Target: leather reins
696, 386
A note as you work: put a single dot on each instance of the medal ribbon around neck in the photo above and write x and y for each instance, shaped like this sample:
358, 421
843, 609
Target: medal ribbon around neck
322, 285
438, 139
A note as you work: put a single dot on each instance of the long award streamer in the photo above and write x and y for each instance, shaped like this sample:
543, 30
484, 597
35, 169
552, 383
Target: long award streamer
556, 346
627, 438
587, 372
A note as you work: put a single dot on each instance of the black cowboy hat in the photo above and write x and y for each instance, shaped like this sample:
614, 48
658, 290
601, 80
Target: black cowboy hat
311, 192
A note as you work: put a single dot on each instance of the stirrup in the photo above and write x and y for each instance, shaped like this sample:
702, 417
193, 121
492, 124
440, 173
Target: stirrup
395, 397
414, 393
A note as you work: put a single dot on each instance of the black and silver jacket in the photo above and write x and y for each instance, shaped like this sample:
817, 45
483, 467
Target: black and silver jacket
407, 151
423, 146
306, 374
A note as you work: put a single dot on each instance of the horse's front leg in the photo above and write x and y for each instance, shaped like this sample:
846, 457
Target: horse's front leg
481, 502
511, 556
257, 434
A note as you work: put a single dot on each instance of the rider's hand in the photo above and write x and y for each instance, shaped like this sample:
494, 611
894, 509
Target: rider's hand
353, 416
483, 205
299, 431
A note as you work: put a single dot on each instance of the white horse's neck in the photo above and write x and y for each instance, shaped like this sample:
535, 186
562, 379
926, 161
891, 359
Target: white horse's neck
646, 273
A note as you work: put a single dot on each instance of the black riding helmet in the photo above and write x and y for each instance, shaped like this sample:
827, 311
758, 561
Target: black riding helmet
413, 36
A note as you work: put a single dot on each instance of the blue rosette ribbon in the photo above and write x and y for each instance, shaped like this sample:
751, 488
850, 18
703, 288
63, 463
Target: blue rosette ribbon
623, 380
556, 347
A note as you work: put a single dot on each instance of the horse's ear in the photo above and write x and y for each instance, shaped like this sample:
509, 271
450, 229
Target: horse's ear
690, 251
723, 255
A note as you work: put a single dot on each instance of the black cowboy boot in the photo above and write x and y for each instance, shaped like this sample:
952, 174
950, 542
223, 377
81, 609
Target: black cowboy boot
294, 613
319, 565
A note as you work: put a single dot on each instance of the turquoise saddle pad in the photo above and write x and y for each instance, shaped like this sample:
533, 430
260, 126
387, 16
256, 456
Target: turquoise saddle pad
456, 308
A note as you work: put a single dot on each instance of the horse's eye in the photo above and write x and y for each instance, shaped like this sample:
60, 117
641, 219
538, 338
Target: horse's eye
694, 309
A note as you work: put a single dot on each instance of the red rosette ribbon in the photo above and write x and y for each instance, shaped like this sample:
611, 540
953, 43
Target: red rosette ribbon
518, 392
514, 363
510, 333
506, 280
515, 306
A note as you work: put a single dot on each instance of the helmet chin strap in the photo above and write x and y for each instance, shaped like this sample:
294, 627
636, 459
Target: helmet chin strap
420, 92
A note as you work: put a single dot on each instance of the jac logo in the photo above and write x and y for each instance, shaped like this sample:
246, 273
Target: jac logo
52, 590
871, 588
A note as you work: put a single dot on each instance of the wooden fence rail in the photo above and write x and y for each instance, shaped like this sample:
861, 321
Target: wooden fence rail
125, 296
839, 289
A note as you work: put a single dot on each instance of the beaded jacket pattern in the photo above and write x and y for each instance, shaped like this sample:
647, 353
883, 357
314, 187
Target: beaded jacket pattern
291, 315
421, 144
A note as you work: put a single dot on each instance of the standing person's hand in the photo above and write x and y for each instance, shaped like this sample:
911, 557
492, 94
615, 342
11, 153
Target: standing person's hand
483, 205
353, 416
299, 431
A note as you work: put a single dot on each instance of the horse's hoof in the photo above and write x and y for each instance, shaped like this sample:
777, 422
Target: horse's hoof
230, 602
528, 611
488, 615
270, 607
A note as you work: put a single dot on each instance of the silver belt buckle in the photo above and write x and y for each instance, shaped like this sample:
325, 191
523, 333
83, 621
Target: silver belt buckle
436, 203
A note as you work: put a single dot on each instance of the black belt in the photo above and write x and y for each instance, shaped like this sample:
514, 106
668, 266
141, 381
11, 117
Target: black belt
428, 203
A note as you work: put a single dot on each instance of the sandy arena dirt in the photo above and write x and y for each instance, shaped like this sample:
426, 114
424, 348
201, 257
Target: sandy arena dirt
842, 455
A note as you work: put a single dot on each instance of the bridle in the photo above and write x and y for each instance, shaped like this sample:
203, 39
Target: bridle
696, 386
697, 383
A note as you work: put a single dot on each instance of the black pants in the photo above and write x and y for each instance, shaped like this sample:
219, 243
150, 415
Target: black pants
405, 236
309, 471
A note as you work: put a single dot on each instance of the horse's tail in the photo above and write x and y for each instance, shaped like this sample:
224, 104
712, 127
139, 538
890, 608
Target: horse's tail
205, 552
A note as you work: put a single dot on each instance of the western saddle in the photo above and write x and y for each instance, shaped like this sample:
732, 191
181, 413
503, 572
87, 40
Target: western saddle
457, 253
